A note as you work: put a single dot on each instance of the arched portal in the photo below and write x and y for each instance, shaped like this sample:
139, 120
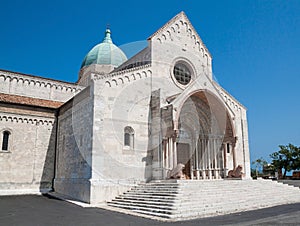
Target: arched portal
203, 138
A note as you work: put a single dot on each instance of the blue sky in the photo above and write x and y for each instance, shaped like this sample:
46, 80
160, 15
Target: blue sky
255, 47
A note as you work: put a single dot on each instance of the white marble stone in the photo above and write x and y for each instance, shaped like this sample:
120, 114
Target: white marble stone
168, 121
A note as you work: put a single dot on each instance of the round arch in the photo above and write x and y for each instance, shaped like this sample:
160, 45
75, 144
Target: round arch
204, 131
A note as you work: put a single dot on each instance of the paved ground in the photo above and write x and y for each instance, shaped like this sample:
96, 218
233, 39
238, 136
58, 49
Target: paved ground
43, 210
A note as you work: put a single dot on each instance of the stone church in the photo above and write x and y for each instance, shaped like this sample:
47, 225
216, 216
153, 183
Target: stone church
124, 122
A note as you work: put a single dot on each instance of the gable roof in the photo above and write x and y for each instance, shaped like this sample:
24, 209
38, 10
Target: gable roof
175, 18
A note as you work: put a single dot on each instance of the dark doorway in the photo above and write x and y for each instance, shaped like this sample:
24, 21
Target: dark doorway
183, 156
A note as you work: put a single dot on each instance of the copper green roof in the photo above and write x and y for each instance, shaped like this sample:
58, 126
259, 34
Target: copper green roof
105, 53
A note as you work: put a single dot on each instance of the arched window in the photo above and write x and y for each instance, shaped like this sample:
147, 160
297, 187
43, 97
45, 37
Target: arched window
129, 137
5, 139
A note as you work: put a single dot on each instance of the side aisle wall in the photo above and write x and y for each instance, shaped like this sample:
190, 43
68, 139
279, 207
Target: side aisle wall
27, 166
74, 147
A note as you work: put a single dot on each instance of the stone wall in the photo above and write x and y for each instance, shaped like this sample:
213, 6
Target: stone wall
117, 167
74, 147
238, 114
178, 40
28, 164
36, 87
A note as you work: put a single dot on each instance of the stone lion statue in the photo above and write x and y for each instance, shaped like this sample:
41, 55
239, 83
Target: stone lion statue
177, 172
236, 173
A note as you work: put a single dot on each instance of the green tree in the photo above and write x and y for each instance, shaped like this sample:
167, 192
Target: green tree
296, 165
287, 158
259, 164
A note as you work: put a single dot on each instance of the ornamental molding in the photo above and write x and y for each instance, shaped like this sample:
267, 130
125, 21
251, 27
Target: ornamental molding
29, 80
123, 77
15, 118
102, 75
174, 26
228, 99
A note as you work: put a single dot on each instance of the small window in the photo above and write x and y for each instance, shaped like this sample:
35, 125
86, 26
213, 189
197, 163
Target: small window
5, 140
228, 148
129, 137
81, 140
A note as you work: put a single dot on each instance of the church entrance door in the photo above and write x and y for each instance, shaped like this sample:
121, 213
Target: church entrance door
183, 156
204, 129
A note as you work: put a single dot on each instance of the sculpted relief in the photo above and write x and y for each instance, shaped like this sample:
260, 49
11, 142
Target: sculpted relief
236, 173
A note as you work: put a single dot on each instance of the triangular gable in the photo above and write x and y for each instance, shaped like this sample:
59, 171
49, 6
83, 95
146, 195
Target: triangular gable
179, 20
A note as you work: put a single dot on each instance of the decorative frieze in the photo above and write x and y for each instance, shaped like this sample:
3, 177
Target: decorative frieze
231, 101
175, 26
125, 76
27, 80
26, 119
100, 75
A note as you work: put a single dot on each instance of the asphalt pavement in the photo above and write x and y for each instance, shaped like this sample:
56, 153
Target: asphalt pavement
45, 210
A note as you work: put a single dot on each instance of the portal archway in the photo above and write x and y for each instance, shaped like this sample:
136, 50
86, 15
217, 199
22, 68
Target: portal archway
203, 134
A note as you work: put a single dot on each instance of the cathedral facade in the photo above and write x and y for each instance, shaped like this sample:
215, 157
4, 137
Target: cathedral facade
125, 121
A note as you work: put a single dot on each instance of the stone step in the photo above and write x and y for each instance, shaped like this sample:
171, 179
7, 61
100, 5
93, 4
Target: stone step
221, 209
155, 188
145, 205
153, 191
213, 209
214, 199
224, 208
237, 202
155, 194
149, 213
294, 183
152, 211
242, 188
147, 199
250, 199
207, 196
160, 197
252, 183
161, 184
222, 181
201, 194
130, 201
243, 202
221, 186
148, 196
207, 212
183, 199
186, 201
213, 196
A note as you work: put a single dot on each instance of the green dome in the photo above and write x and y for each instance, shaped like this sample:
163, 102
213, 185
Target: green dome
105, 53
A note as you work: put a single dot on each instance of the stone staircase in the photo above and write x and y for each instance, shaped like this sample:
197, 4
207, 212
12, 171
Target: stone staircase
295, 183
188, 199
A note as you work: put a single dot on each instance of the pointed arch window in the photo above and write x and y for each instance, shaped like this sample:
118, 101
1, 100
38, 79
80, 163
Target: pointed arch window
129, 137
5, 140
